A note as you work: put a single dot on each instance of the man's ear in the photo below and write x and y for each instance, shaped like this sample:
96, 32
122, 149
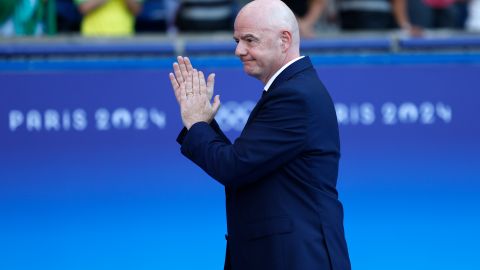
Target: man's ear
286, 38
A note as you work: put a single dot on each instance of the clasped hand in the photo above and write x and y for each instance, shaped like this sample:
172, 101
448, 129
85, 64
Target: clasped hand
193, 93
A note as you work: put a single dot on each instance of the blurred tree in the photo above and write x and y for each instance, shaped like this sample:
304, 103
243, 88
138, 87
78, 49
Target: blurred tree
27, 17
7, 7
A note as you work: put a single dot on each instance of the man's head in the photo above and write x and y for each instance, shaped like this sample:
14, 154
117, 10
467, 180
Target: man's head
267, 36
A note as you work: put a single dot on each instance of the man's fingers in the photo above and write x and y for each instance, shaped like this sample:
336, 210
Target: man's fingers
210, 84
173, 81
178, 73
175, 86
211, 80
189, 85
188, 64
195, 83
183, 67
183, 93
216, 105
203, 83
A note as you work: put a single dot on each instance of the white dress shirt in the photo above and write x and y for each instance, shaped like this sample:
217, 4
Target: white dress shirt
269, 83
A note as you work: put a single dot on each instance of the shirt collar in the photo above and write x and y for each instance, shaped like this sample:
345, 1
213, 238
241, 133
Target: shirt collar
269, 83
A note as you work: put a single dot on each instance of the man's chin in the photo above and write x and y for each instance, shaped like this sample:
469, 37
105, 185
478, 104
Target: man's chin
250, 71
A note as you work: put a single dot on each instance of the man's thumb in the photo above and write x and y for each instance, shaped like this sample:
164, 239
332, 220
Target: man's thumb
216, 104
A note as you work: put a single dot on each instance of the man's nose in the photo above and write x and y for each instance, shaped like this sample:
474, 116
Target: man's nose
240, 49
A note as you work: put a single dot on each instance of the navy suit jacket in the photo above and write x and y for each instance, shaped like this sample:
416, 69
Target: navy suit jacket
280, 177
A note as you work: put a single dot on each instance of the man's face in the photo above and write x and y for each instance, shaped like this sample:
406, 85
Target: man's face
258, 48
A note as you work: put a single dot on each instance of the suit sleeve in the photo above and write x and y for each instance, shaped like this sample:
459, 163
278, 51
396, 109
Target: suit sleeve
274, 137
214, 125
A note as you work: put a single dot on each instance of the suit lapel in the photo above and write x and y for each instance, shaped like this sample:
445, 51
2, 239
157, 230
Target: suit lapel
289, 72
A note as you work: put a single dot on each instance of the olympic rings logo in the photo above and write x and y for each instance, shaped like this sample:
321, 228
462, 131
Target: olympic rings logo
234, 115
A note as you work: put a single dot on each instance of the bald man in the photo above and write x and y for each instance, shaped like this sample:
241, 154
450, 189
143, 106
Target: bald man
280, 175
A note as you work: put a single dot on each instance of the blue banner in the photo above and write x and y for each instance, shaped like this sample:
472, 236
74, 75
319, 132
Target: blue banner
91, 176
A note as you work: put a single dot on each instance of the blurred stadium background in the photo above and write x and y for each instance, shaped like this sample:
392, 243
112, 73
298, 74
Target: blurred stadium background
91, 176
